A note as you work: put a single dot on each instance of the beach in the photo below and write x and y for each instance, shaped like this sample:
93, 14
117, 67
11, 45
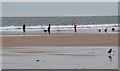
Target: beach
60, 57
65, 49
60, 51
61, 40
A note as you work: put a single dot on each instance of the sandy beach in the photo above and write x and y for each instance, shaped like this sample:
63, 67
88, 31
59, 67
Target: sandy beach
60, 57
61, 40
60, 51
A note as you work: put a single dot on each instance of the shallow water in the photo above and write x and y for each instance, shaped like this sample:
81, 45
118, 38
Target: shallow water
69, 31
57, 57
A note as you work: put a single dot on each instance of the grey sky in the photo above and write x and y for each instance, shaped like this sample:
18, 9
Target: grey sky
59, 9
60, 0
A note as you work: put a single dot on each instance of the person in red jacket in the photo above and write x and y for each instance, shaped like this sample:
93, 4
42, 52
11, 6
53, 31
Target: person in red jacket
75, 25
49, 27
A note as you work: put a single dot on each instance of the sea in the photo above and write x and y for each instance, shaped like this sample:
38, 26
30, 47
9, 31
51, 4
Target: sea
57, 22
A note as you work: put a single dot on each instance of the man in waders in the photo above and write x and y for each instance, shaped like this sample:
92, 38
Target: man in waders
75, 25
49, 26
24, 26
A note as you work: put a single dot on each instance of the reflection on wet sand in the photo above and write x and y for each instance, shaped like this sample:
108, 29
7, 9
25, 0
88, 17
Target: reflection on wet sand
57, 57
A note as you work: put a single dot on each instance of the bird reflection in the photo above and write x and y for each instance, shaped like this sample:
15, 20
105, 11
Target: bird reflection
110, 57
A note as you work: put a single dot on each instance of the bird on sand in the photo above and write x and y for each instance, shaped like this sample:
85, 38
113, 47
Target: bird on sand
110, 51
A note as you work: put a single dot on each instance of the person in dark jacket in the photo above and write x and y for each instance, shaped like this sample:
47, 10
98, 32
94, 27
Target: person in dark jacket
24, 27
49, 27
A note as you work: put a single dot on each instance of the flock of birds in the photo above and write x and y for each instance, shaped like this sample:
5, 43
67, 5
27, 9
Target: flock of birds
106, 29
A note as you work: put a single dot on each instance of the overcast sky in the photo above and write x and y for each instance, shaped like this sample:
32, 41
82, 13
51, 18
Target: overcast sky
60, 0
38, 9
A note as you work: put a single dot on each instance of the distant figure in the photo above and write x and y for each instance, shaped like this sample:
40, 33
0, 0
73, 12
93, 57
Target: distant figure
106, 29
99, 30
24, 26
110, 51
58, 30
113, 29
49, 27
75, 25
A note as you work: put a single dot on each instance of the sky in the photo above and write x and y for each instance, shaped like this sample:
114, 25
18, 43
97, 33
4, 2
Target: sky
60, 0
38, 9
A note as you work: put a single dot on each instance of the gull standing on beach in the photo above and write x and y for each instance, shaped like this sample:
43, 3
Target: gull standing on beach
75, 25
49, 27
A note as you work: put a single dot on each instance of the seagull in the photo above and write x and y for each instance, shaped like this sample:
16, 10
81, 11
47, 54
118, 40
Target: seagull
37, 60
110, 51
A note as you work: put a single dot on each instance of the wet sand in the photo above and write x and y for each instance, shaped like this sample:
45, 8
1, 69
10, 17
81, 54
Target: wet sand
60, 51
61, 40
60, 57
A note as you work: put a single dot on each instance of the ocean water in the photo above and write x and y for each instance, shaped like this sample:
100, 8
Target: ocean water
61, 23
81, 20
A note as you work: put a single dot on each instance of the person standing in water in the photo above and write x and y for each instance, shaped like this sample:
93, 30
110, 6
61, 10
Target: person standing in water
75, 25
24, 26
49, 27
